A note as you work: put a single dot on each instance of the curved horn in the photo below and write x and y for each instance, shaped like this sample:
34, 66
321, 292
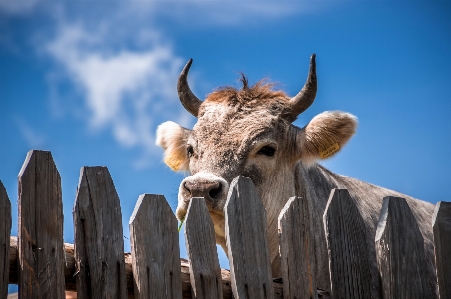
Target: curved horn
306, 96
188, 99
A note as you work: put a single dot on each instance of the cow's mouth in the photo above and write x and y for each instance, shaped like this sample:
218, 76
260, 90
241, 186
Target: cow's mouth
216, 214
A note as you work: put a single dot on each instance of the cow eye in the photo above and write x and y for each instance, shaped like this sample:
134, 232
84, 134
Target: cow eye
189, 151
267, 151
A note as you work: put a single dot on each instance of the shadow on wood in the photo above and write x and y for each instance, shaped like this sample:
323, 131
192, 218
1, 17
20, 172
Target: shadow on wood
247, 243
400, 252
205, 272
296, 249
441, 225
155, 249
348, 255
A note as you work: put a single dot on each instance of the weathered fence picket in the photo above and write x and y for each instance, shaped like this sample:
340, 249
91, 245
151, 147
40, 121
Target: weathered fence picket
441, 225
99, 244
5, 231
247, 243
296, 249
400, 252
205, 272
41, 251
348, 255
97, 267
155, 249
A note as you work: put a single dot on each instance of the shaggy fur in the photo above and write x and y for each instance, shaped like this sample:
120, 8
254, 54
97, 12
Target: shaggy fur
248, 98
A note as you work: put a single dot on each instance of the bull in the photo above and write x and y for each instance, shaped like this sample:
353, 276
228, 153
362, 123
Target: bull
249, 132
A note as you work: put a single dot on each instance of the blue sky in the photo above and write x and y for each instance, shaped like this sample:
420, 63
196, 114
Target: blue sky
91, 80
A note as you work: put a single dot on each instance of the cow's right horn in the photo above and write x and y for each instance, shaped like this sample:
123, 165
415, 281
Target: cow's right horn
188, 99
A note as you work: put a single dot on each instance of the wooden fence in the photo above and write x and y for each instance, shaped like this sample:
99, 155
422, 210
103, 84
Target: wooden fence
96, 267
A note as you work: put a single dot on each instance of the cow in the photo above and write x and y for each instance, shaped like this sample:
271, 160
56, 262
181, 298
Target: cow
249, 132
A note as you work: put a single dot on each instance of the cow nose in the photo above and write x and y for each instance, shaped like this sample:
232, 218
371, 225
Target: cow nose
203, 188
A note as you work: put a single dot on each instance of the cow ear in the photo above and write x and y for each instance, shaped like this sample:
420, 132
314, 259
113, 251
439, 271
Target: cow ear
325, 135
173, 139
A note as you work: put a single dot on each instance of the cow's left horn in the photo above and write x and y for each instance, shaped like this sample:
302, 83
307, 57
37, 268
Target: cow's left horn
188, 99
306, 96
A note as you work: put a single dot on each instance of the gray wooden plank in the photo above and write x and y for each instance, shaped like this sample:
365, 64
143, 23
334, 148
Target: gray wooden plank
205, 273
295, 235
346, 243
441, 225
41, 247
99, 244
400, 252
247, 242
5, 232
154, 240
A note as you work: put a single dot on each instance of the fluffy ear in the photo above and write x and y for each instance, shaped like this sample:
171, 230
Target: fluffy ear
173, 138
325, 135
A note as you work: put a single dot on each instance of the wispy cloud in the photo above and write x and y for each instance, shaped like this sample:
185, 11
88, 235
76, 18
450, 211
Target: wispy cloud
33, 138
122, 89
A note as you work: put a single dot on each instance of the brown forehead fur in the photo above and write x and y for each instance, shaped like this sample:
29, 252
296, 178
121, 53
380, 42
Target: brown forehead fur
229, 122
261, 94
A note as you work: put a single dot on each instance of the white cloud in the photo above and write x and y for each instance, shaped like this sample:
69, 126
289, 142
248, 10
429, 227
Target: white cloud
122, 89
32, 137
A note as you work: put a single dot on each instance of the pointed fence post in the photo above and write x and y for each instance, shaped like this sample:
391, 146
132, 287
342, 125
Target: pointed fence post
246, 236
296, 242
41, 247
5, 232
441, 225
400, 252
99, 244
205, 273
155, 249
346, 243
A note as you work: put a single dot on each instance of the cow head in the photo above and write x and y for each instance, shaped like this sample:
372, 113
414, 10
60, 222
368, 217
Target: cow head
248, 132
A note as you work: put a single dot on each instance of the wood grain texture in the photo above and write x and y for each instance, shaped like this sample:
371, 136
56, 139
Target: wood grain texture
296, 250
205, 272
70, 270
154, 241
41, 251
247, 243
99, 244
346, 243
5, 232
400, 252
441, 225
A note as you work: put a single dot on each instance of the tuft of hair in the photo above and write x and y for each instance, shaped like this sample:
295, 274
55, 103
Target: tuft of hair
259, 94
244, 81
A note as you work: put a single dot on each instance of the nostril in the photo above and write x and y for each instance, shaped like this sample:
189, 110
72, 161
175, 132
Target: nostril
202, 188
215, 190
187, 188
